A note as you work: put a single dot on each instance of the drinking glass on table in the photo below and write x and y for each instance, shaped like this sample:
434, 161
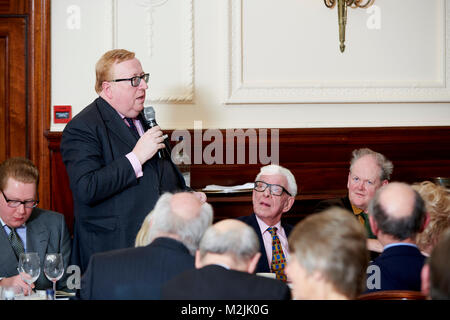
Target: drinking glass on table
53, 268
29, 267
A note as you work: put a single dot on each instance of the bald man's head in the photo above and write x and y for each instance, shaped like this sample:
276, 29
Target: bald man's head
186, 205
397, 199
398, 210
181, 216
230, 237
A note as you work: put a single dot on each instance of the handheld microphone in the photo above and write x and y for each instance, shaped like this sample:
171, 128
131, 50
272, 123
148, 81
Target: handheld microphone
149, 116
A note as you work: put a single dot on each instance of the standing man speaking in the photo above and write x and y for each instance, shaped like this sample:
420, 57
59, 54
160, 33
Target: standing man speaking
110, 154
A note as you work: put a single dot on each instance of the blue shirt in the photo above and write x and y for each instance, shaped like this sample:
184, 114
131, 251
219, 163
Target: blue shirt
399, 244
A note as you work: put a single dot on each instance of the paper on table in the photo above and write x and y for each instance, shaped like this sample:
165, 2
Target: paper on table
239, 188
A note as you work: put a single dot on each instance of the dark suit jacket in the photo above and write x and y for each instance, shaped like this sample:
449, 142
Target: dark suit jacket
214, 282
135, 273
110, 203
263, 263
46, 233
339, 202
400, 268
345, 204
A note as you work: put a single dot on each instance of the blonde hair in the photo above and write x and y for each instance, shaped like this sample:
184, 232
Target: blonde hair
19, 169
143, 236
103, 67
437, 203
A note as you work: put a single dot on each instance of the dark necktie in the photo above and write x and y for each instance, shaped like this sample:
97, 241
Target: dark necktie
16, 243
365, 217
132, 127
278, 258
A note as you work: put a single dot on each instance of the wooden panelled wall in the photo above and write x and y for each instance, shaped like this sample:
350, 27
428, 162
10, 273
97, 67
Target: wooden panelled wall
25, 85
319, 159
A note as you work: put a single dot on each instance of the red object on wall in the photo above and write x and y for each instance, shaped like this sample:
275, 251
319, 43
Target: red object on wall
62, 114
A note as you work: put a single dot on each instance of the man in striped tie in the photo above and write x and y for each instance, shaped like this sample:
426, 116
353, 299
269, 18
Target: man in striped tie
273, 194
26, 228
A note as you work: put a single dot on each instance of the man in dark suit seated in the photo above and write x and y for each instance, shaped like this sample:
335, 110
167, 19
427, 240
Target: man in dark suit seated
175, 228
369, 171
436, 272
226, 258
273, 194
397, 215
26, 228
328, 257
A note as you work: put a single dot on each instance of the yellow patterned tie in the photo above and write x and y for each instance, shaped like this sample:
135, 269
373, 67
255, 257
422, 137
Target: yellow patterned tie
278, 258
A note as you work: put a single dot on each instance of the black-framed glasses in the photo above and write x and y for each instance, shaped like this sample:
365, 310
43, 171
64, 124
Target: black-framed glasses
135, 81
275, 189
16, 203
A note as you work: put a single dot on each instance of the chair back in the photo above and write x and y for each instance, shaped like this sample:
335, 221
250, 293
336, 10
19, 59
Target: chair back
393, 295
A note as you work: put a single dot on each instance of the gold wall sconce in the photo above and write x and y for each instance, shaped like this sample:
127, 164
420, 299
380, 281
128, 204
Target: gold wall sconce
342, 14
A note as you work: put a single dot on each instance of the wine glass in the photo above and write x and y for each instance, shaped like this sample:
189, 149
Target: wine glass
53, 268
29, 267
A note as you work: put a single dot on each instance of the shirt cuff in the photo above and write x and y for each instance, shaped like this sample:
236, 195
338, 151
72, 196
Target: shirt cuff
135, 164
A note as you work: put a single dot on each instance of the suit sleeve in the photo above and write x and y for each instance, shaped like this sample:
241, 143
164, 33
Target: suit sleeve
87, 281
65, 246
92, 178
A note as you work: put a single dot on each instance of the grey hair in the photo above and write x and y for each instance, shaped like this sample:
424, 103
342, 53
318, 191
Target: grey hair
273, 169
386, 166
242, 243
164, 220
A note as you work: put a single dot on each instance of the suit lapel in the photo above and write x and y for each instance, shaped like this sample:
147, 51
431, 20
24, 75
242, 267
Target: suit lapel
8, 260
114, 124
37, 236
263, 263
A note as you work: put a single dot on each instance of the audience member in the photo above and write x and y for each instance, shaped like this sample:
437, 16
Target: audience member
175, 227
369, 171
25, 227
226, 258
437, 203
273, 194
329, 256
111, 158
397, 215
436, 272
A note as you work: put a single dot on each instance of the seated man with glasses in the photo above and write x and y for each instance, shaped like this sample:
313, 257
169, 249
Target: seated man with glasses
26, 228
273, 194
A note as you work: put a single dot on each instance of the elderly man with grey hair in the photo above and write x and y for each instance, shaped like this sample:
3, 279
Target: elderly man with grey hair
226, 258
166, 244
369, 171
273, 195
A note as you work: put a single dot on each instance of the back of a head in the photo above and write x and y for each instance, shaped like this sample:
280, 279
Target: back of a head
386, 166
332, 243
274, 169
230, 237
181, 215
105, 63
20, 169
437, 203
439, 263
398, 210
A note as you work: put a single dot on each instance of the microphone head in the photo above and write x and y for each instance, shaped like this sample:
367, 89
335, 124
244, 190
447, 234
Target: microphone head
149, 113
